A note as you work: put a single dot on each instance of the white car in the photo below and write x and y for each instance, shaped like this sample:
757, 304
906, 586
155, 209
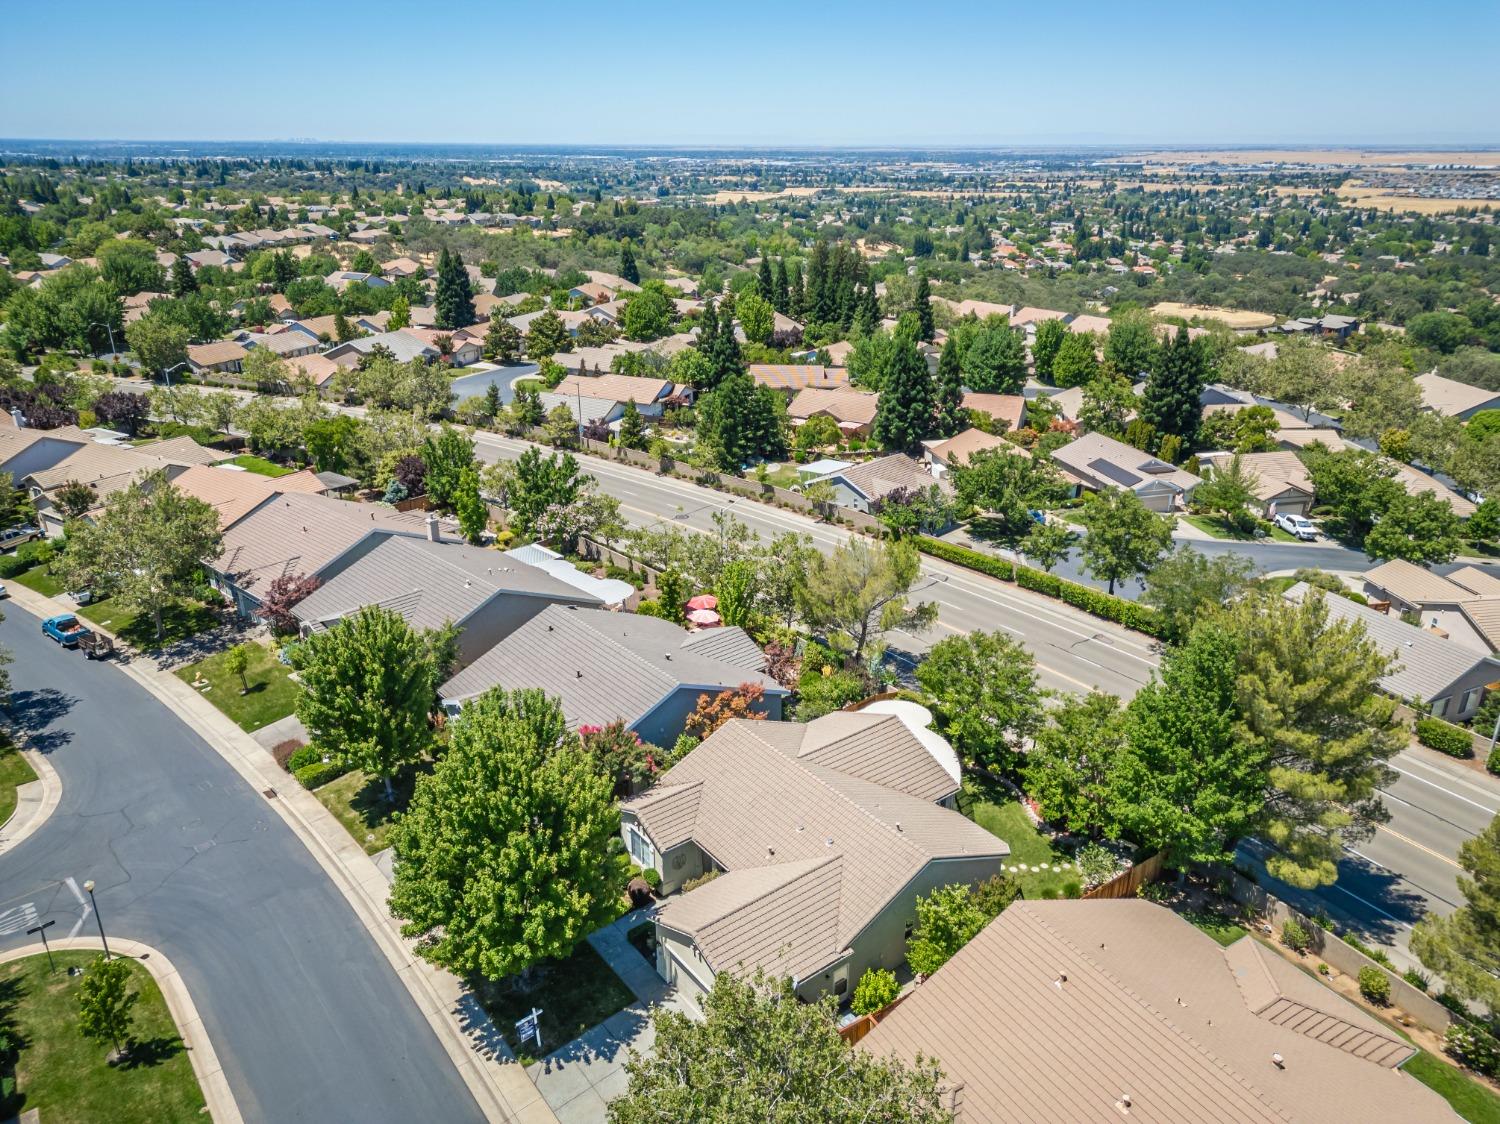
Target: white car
1299, 525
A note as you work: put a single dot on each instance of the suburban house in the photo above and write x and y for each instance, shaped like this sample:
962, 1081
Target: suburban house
297, 533
817, 839
430, 584
792, 377
1464, 606
649, 395
1332, 326
234, 493
1097, 462
220, 356
941, 456
571, 321
24, 450
1129, 1011
1454, 399
104, 469
1007, 408
1449, 678
603, 667
287, 344
852, 410
860, 485
341, 279
1279, 480
403, 267
402, 344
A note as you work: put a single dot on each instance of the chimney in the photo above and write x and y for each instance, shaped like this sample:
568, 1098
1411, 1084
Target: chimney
433, 533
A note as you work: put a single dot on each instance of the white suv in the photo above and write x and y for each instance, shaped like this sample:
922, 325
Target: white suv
1298, 525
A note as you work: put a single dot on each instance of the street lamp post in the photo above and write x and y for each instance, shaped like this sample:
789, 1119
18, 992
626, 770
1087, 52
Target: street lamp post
167, 374
89, 886
108, 327
42, 931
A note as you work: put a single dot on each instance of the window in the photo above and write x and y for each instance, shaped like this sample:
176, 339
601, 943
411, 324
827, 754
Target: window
639, 846
1471, 699
1439, 707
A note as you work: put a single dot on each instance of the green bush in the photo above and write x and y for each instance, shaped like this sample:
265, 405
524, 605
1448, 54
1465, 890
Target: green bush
1474, 1047
1294, 936
876, 990
1419, 980
1492, 763
1072, 889
652, 877
302, 758
1375, 985
1444, 737
319, 773
37, 552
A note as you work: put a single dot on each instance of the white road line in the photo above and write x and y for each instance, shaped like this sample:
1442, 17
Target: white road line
1457, 796
82, 901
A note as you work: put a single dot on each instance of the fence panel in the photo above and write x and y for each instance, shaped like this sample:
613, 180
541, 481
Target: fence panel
1126, 884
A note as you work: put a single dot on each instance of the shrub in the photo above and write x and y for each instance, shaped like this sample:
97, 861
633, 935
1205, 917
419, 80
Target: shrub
1072, 889
702, 880
1322, 968
1376, 954
1419, 980
1444, 737
652, 877
37, 552
1492, 763
1294, 936
285, 751
1097, 864
1155, 892
1474, 1047
1375, 985
319, 773
302, 758
876, 990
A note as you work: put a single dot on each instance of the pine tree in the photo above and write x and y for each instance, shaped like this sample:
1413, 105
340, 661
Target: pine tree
950, 417
921, 304
628, 268
183, 281
632, 434
780, 297
742, 422
453, 304
797, 293
764, 280
905, 413
867, 315
724, 350
818, 303
1171, 399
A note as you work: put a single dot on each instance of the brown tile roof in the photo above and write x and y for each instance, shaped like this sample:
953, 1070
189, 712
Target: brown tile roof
798, 376
1447, 396
961, 446
183, 450
882, 476
94, 463
1058, 1010
215, 353
1002, 407
856, 407
615, 388
319, 368
235, 494
1416, 585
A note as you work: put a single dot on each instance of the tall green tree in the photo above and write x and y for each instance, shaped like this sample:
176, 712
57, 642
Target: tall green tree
1044, 347
949, 414
1229, 492
1130, 346
1005, 485
1108, 403
722, 349
759, 1056
501, 857
1187, 584
105, 1002
947, 919
537, 483
765, 284
1421, 529
628, 269
985, 696
756, 317
904, 415
1172, 398
632, 432
860, 592
1355, 486
1070, 769
469, 506
921, 304
995, 360
158, 344
369, 684
183, 280
1464, 947
546, 336
1125, 538
740, 422
1075, 363
401, 315
448, 454
453, 302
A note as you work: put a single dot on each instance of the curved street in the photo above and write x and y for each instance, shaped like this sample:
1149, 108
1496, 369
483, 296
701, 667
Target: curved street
310, 1021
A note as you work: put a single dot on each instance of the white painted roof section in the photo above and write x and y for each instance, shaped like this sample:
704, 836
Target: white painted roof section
918, 719
611, 591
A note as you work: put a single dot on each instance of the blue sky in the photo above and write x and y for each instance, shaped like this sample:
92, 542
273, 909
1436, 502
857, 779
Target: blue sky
835, 72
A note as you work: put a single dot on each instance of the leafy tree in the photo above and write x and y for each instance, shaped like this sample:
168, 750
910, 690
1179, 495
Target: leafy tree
1130, 346
368, 687
877, 989
1250, 430
281, 596
1484, 524
237, 662
183, 281
1108, 403
947, 919
1049, 338
1302, 376
648, 314
453, 303
740, 422
105, 1002
632, 431
448, 455
1381, 397
759, 1056
904, 415
1443, 332
721, 349
735, 592
984, 693
859, 592
1070, 768
628, 269
949, 415
546, 336
1420, 529
1075, 363
1186, 584
158, 345
1125, 538
499, 855
400, 315
1464, 947
1047, 544
914, 511
147, 547
1006, 485
332, 444
469, 506
502, 341
756, 317
995, 359
129, 265
73, 499
1188, 783
1355, 487
672, 595
712, 711
539, 482
1229, 492
1310, 707
1171, 400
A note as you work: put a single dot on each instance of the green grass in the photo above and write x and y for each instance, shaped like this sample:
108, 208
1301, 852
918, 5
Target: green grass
251, 463
358, 801
574, 994
15, 770
1219, 927
784, 476
40, 579
995, 810
1212, 525
65, 1076
272, 693
1475, 1102
137, 629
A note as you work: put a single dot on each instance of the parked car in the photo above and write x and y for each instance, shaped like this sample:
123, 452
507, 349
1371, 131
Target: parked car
1298, 525
65, 629
12, 537
4, 593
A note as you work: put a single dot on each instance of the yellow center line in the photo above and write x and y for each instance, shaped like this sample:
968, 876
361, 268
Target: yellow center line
1413, 843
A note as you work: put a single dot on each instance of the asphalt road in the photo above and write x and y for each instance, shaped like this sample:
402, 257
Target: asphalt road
309, 1020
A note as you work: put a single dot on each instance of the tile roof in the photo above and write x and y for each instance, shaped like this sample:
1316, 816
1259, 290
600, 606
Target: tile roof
1058, 1010
600, 665
778, 794
235, 494
183, 450
212, 354
798, 376
94, 463
856, 407
1001, 407
615, 388
882, 476
961, 446
1416, 585
14, 441
1271, 473
1476, 581
1446, 396
1104, 459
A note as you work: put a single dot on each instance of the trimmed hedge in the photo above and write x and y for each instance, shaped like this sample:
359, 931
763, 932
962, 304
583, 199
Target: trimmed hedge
1444, 737
1142, 618
302, 758
319, 773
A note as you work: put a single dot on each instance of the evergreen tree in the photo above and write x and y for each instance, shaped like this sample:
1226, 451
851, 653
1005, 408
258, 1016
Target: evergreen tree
1171, 399
628, 268
400, 314
741, 422
724, 350
780, 296
1465, 946
921, 304
797, 293
453, 304
867, 312
950, 417
818, 303
632, 434
764, 280
183, 280
905, 413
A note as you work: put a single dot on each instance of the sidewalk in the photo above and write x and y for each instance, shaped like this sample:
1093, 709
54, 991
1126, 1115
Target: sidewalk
501, 1088
35, 800
200, 1049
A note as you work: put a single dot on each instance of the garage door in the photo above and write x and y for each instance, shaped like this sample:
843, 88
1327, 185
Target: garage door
683, 980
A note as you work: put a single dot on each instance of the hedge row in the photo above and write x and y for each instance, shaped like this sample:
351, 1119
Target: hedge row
1142, 618
319, 773
1444, 737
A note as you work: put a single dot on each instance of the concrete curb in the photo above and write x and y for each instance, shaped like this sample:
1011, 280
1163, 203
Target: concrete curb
501, 1088
35, 801
200, 1048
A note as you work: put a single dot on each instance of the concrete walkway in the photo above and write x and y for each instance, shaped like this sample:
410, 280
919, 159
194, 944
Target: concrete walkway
500, 1087
200, 1050
35, 800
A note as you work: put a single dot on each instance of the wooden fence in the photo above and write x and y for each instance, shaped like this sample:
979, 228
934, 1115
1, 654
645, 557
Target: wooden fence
1126, 885
866, 1023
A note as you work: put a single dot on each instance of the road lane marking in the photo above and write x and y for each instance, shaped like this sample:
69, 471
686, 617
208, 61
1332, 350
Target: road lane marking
1413, 843
1457, 796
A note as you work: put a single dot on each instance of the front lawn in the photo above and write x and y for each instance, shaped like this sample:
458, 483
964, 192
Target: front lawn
1471, 1099
40, 579
251, 463
994, 809
358, 801
15, 770
272, 693
65, 1076
1213, 525
575, 993
135, 628
1220, 928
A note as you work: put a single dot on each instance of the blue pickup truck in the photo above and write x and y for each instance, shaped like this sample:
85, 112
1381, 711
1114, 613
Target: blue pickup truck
65, 629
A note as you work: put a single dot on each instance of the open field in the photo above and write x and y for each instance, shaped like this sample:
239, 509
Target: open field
1234, 317
1366, 196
